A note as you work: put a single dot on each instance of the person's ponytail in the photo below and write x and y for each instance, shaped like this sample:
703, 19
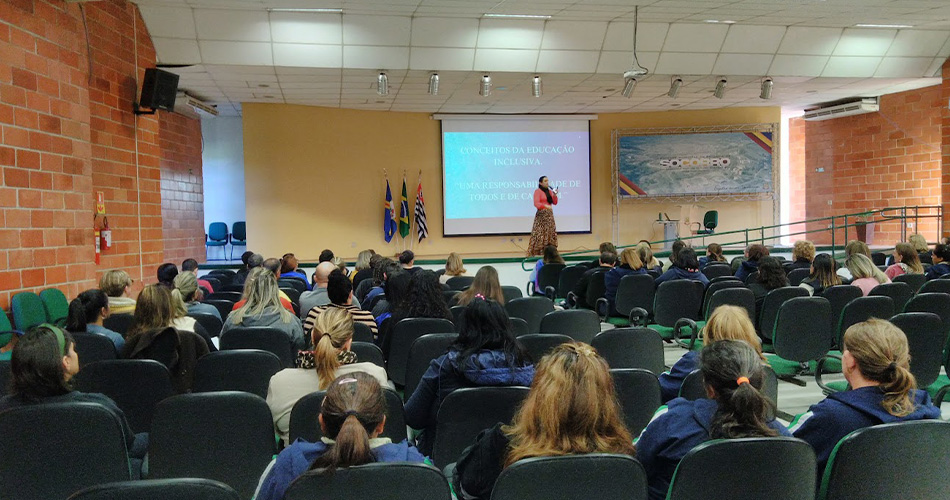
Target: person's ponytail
898, 385
733, 369
882, 354
76, 316
351, 447
325, 360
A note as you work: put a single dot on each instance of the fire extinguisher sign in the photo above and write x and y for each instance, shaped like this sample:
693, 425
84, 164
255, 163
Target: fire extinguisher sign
100, 203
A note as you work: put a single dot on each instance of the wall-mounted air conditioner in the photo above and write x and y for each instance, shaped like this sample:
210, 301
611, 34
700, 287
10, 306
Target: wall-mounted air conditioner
839, 109
192, 106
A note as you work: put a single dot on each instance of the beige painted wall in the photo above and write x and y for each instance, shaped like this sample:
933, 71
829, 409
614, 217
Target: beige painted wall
314, 180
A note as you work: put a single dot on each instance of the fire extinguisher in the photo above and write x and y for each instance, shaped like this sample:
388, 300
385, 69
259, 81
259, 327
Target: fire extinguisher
105, 235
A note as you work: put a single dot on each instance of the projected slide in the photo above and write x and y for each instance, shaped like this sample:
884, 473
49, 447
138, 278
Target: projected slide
490, 175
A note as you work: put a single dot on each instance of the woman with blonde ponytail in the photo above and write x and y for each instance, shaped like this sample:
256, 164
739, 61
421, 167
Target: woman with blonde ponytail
876, 364
352, 417
332, 337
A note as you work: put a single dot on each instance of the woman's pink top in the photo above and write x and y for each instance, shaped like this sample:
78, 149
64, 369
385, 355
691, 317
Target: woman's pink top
541, 201
865, 284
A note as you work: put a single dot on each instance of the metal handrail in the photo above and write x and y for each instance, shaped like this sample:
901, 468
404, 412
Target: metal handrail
857, 219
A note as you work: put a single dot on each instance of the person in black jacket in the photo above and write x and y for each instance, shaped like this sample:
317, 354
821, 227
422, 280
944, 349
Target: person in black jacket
604, 263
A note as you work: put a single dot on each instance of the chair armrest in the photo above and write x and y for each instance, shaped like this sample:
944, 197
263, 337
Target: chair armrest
639, 317
550, 292
606, 308
571, 301
940, 396
697, 224
819, 369
529, 288
678, 328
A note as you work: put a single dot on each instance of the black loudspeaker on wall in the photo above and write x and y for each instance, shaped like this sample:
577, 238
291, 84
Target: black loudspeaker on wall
159, 89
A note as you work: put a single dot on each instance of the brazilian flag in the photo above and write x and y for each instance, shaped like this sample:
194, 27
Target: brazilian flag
404, 212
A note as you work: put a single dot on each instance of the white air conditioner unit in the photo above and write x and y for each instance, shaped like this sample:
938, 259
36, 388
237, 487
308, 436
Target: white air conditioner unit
838, 110
192, 106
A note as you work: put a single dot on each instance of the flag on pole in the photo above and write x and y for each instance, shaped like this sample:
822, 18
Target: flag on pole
421, 226
389, 215
404, 212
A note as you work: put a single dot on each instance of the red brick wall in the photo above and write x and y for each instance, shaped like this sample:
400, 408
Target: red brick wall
66, 131
876, 160
182, 194
796, 176
945, 146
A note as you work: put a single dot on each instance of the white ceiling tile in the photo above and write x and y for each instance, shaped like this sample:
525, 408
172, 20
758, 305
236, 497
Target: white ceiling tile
236, 25
917, 43
444, 32
245, 53
441, 59
743, 64
849, 66
936, 67
509, 34
893, 67
695, 38
745, 39
505, 60
785, 65
576, 35
376, 30
809, 41
369, 57
673, 63
306, 55
169, 22
864, 42
650, 36
567, 61
176, 51
618, 62
294, 27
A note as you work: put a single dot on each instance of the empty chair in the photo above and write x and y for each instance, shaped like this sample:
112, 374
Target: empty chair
368, 352
459, 283
217, 237
675, 300
634, 290
238, 236
638, 392
392, 481
900, 293
293, 282
796, 277
210, 322
519, 327
530, 309
57, 307
715, 287
573, 477
511, 292
466, 412
234, 287
890, 462
579, 324
738, 296
258, 337
92, 347
936, 303
224, 436
362, 332
569, 277
159, 489
713, 271
861, 309
914, 281
770, 307
421, 353
596, 291
784, 470
136, 386
50, 451
631, 348
247, 370
839, 296
292, 293
693, 387
232, 296
224, 307
800, 335
403, 334
940, 286
28, 310
548, 276
539, 344
304, 424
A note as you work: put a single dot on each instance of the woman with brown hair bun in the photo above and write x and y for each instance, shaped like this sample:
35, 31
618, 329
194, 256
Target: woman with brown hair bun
572, 409
876, 364
352, 417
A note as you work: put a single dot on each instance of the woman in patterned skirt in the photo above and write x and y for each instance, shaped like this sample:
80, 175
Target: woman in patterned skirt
544, 232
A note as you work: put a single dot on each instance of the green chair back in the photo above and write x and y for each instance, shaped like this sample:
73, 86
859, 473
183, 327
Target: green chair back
57, 307
28, 310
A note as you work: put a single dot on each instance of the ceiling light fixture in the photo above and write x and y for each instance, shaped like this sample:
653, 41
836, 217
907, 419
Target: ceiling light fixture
304, 9
382, 83
720, 88
636, 70
536, 86
484, 89
628, 87
434, 84
516, 16
675, 84
767, 85
891, 26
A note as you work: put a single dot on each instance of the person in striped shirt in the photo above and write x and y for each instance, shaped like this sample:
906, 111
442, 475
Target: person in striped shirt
340, 292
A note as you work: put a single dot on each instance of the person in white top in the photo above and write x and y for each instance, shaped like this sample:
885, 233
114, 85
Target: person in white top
453, 267
332, 336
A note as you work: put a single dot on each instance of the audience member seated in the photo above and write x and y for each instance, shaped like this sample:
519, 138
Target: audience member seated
485, 284
629, 264
423, 299
906, 261
485, 354
733, 375
153, 336
753, 253
771, 276
604, 247
685, 267
920, 245
572, 409
675, 249
166, 275
381, 274
289, 269
86, 313
341, 265
550, 256
397, 292
726, 323
271, 266
941, 254
332, 336
117, 285
325, 256
822, 275
645, 251
713, 254
803, 252
317, 296
262, 307
407, 260
866, 275
605, 263
352, 417
250, 260
453, 267
364, 268
876, 364
853, 247
187, 288
182, 322
340, 292
42, 367
191, 266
